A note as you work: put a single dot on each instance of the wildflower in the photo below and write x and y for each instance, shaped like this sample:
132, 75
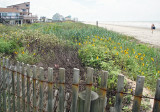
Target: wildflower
142, 73
133, 52
136, 56
23, 52
16, 52
109, 38
101, 38
126, 52
79, 43
121, 47
158, 71
122, 51
114, 47
141, 58
97, 57
152, 59
93, 45
127, 49
34, 54
142, 64
144, 55
139, 53
132, 49
76, 40
28, 45
117, 53
105, 45
119, 44
17, 38
106, 52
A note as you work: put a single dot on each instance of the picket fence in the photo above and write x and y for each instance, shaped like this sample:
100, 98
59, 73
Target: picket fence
24, 88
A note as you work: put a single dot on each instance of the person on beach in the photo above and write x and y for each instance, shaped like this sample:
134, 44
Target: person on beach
153, 27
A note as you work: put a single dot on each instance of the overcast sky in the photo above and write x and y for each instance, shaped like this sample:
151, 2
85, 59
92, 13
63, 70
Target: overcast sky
92, 10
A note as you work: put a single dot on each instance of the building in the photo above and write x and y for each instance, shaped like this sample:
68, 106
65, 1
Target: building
68, 18
10, 16
57, 17
24, 9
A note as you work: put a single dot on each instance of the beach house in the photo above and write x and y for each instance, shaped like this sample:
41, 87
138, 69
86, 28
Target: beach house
10, 16
24, 9
57, 17
17, 14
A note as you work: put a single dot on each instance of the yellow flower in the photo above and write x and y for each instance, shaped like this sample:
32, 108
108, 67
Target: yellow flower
126, 52
132, 49
136, 56
76, 40
141, 58
127, 49
152, 59
93, 45
133, 52
139, 53
28, 45
121, 47
105, 45
109, 38
101, 38
114, 47
142, 73
79, 43
119, 44
142, 64
97, 57
17, 38
16, 52
106, 52
34, 54
144, 55
23, 52
122, 51
158, 71
128, 56
117, 53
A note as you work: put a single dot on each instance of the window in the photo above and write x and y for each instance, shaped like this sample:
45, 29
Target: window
4, 14
23, 10
27, 5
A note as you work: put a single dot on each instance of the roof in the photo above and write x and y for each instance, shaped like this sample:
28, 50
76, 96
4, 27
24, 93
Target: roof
8, 10
19, 4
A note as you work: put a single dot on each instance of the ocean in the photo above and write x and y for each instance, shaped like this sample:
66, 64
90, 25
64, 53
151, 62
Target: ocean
134, 24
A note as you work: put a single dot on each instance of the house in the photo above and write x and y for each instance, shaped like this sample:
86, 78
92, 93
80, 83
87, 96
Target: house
43, 19
24, 9
68, 18
57, 17
10, 16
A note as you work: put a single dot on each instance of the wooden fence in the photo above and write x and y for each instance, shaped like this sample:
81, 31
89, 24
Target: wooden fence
24, 88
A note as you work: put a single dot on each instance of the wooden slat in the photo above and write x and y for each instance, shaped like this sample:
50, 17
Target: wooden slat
75, 89
65, 102
41, 89
13, 89
34, 88
23, 87
50, 89
28, 87
88, 89
119, 95
4, 86
138, 94
156, 107
103, 92
61, 89
18, 86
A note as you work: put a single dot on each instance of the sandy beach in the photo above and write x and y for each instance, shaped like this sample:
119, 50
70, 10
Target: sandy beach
142, 34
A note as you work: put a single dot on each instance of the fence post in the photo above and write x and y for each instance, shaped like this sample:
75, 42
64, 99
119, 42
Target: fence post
65, 103
138, 94
102, 93
4, 86
119, 95
50, 89
28, 87
23, 87
75, 89
18, 86
0, 85
88, 89
13, 87
156, 107
41, 78
61, 89
34, 87
55, 97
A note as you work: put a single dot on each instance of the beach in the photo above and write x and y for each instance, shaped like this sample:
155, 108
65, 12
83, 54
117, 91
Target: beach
143, 34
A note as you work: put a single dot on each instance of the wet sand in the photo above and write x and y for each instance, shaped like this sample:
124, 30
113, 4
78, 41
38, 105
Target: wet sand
144, 35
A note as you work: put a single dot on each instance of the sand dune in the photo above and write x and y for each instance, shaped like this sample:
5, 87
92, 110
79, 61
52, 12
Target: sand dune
142, 34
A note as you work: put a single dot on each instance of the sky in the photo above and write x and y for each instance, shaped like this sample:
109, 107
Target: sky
95, 10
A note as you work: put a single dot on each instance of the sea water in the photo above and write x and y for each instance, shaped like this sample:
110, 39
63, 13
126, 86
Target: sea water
134, 24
